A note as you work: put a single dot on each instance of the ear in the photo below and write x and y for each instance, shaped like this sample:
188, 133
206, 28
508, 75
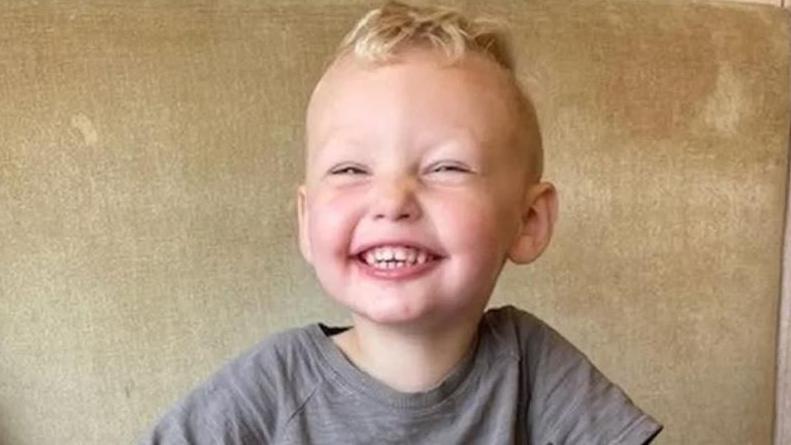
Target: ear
539, 214
303, 218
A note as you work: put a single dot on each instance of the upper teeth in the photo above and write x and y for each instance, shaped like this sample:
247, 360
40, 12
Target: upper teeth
397, 253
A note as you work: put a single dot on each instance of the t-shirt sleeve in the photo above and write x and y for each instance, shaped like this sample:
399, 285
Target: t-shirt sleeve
221, 411
246, 402
572, 402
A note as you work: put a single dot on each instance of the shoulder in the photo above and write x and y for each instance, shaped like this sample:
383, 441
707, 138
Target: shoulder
511, 318
531, 338
571, 400
249, 398
542, 349
283, 365
518, 331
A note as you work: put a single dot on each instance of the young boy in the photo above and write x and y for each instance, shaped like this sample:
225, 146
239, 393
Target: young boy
423, 177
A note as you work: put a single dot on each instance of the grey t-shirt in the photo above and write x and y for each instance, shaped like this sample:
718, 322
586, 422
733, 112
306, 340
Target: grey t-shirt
522, 383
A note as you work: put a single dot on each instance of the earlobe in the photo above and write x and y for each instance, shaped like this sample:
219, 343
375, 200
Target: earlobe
538, 219
303, 220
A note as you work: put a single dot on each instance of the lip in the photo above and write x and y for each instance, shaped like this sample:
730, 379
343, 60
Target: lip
399, 273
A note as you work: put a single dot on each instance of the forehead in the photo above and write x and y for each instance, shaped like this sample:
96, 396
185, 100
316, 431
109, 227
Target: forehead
417, 97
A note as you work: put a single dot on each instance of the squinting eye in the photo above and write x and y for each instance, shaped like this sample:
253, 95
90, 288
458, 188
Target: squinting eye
347, 170
449, 168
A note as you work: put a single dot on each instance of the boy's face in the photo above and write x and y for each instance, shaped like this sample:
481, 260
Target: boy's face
419, 155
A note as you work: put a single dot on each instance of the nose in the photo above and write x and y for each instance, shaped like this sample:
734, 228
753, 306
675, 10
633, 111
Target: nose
394, 199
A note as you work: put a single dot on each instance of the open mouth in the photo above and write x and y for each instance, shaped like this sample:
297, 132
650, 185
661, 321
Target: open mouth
396, 257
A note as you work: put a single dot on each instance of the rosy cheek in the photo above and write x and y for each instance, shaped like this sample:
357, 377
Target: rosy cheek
332, 223
470, 221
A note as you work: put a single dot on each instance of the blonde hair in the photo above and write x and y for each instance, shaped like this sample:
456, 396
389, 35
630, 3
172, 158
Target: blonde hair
382, 32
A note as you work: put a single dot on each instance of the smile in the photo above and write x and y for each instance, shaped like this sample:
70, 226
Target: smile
396, 262
394, 257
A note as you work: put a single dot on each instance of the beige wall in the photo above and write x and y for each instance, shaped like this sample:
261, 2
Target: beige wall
149, 156
781, 3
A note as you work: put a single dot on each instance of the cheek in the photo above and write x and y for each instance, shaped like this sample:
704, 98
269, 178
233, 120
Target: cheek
332, 224
484, 223
469, 224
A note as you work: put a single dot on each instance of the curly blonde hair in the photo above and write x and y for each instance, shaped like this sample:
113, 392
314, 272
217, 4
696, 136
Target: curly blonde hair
382, 32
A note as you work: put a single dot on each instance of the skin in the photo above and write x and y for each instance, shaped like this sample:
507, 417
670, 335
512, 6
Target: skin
428, 152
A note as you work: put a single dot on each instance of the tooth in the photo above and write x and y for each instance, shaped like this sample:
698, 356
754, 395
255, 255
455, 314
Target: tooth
403, 254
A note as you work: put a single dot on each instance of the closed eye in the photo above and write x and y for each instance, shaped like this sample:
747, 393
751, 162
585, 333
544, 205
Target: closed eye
449, 168
347, 170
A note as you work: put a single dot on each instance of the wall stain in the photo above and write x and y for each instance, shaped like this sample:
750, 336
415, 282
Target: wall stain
86, 128
725, 106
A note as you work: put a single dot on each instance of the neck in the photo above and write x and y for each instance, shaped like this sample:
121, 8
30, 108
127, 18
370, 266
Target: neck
407, 361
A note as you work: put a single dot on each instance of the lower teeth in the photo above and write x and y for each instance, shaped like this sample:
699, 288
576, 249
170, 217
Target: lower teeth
387, 264
390, 264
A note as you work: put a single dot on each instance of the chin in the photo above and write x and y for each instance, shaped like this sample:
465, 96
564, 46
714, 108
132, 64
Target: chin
397, 313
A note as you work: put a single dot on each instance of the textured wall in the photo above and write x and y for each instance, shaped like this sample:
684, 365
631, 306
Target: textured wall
149, 158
